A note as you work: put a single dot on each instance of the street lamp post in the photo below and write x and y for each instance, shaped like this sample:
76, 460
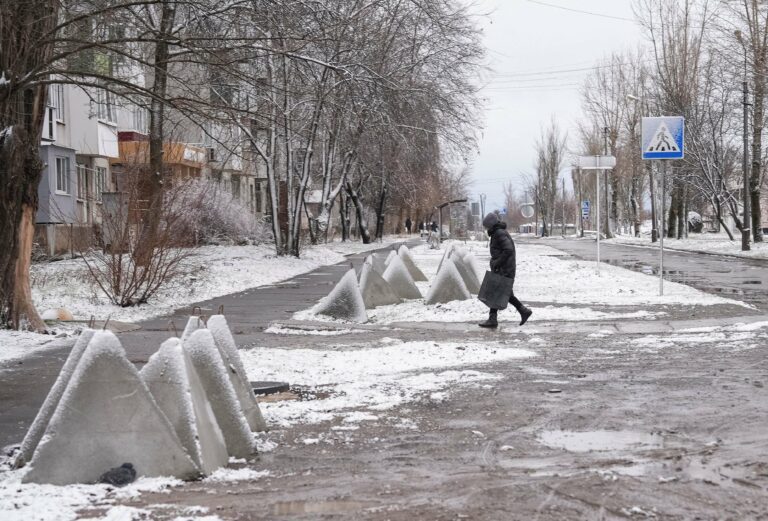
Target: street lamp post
747, 221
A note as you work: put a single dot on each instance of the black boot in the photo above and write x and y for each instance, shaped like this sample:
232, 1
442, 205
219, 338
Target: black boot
492, 320
525, 314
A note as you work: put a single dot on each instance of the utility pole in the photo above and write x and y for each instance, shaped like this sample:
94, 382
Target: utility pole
605, 185
563, 227
747, 206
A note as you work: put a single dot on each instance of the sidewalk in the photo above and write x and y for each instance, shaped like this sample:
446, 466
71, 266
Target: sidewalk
26, 381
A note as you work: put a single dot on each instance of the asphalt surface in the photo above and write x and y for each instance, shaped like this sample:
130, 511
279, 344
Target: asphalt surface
674, 421
738, 278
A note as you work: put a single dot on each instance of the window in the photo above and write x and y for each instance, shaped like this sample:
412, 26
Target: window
82, 182
140, 118
236, 186
100, 182
62, 175
105, 106
56, 101
258, 197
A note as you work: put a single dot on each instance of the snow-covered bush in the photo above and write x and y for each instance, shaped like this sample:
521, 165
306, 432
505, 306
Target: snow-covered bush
214, 215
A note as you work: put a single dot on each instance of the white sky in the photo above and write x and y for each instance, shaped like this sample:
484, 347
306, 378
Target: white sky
526, 42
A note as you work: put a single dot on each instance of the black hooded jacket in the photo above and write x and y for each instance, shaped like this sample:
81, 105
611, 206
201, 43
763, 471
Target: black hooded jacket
503, 259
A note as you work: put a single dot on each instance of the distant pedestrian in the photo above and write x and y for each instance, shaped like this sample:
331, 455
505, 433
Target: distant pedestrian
408, 225
503, 262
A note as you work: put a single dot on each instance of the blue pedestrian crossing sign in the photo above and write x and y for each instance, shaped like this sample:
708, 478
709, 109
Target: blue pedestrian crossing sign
663, 138
585, 209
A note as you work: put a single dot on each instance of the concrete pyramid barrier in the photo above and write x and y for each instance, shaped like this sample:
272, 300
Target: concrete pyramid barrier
207, 361
400, 279
107, 417
378, 262
222, 335
178, 391
467, 271
446, 255
416, 274
448, 285
344, 301
392, 254
375, 289
43, 418
193, 324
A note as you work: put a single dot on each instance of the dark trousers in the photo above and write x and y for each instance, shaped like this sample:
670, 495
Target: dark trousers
515, 302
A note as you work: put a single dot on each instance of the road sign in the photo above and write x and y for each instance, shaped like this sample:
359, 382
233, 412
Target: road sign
597, 162
585, 209
527, 211
663, 138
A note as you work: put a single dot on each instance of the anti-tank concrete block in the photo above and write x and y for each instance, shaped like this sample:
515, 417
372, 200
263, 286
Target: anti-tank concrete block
178, 391
107, 417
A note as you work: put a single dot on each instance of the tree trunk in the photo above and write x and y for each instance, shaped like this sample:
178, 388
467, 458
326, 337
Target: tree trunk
156, 174
362, 225
757, 148
606, 220
25, 46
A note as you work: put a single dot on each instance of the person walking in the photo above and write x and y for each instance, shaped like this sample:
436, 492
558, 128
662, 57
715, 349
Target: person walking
503, 262
408, 224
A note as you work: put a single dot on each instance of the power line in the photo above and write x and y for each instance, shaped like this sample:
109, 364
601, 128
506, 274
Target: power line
583, 12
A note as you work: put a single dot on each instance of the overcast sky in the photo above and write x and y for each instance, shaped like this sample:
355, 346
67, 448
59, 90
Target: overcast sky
529, 45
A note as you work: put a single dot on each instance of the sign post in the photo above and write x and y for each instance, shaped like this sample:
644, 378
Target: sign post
597, 163
663, 139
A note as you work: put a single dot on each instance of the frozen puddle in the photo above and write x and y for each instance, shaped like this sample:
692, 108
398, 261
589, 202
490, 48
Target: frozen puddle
599, 440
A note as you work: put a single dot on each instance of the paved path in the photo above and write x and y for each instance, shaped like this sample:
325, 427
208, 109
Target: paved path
741, 279
25, 383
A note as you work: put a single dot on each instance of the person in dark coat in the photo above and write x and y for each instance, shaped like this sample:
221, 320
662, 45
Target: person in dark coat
408, 224
503, 262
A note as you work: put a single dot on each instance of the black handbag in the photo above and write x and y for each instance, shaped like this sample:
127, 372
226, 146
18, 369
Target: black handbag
495, 290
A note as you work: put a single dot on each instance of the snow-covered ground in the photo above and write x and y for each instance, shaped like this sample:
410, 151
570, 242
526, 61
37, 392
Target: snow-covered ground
217, 271
559, 288
701, 242
376, 377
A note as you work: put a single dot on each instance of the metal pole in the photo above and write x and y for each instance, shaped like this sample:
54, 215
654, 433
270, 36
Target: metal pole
440, 225
597, 163
747, 221
663, 227
563, 180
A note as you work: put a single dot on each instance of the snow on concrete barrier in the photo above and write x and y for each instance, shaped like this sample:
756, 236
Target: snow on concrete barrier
36, 430
209, 365
446, 255
378, 262
178, 391
107, 417
407, 258
400, 279
466, 270
448, 285
344, 301
193, 324
222, 335
375, 290
392, 254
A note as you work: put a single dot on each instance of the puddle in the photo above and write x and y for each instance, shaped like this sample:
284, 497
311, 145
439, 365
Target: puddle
600, 440
318, 507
